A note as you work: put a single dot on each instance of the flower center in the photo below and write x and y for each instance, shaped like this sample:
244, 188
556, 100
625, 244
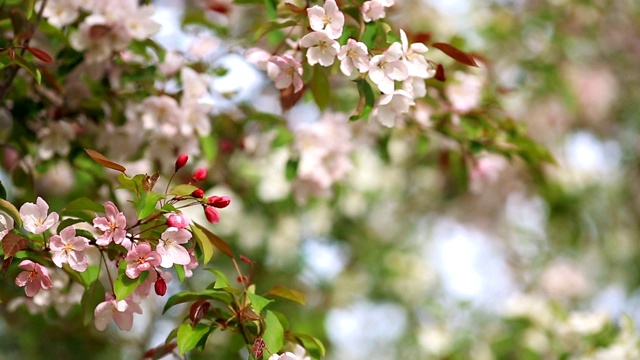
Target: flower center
326, 20
68, 248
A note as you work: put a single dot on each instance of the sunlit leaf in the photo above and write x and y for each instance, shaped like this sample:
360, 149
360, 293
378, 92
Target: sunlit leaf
102, 160
320, 88
30, 67
220, 244
147, 204
314, 346
273, 335
11, 211
366, 102
206, 247
182, 190
258, 302
286, 293
123, 286
189, 337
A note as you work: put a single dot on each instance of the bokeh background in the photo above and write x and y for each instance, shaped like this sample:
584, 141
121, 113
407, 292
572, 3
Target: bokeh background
412, 257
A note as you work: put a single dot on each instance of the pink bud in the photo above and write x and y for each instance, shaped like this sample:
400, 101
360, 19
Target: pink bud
160, 286
177, 221
181, 161
219, 201
198, 193
199, 175
213, 216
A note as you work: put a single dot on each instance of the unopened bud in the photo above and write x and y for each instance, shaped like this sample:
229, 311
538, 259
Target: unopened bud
213, 216
160, 286
199, 175
198, 193
177, 221
181, 161
219, 201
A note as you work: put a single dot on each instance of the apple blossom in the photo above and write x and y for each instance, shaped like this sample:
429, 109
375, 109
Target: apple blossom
353, 54
68, 248
6, 224
139, 24
178, 220
99, 37
113, 225
465, 92
33, 278
417, 65
322, 49
192, 265
34, 216
391, 106
60, 12
121, 312
142, 258
327, 19
387, 68
285, 71
170, 249
257, 57
299, 353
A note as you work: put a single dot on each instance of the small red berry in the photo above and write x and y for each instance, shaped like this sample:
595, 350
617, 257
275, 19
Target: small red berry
181, 161
198, 193
199, 174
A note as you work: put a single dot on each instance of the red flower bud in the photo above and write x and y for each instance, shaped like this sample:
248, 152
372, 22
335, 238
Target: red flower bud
198, 193
213, 216
181, 161
199, 174
160, 286
219, 201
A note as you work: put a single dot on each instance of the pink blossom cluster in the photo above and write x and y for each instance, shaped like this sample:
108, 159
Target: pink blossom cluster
402, 63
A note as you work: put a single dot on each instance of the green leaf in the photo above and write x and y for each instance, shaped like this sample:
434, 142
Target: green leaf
203, 243
217, 241
291, 169
123, 286
189, 337
147, 204
320, 87
188, 296
314, 346
273, 335
27, 7
271, 26
272, 8
133, 184
221, 279
258, 302
286, 293
182, 190
11, 211
93, 296
30, 67
83, 208
367, 101
90, 275
180, 272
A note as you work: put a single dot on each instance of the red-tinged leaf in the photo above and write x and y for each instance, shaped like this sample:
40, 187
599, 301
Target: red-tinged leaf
258, 348
222, 245
289, 294
40, 54
296, 10
440, 76
12, 243
422, 37
288, 98
102, 160
456, 54
198, 310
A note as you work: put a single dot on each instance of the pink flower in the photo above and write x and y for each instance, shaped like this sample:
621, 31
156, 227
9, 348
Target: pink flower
34, 217
143, 258
327, 19
298, 354
67, 248
179, 221
193, 264
170, 249
112, 225
353, 55
119, 311
285, 71
33, 278
322, 49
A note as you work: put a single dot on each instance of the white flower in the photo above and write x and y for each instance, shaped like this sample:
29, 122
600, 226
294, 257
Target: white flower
327, 19
322, 49
415, 86
416, 63
257, 57
391, 106
387, 68
55, 139
139, 24
465, 93
99, 37
60, 12
375, 9
285, 71
353, 54
161, 114
34, 216
170, 249
298, 354
6, 224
